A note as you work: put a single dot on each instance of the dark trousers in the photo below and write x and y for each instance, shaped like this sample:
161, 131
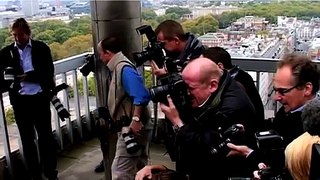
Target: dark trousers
32, 112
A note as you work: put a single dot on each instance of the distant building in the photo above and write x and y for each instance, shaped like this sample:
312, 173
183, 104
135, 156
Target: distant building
80, 8
215, 10
213, 39
30, 7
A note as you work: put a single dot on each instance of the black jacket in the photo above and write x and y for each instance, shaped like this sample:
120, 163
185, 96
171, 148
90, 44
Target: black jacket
192, 50
248, 84
227, 106
42, 63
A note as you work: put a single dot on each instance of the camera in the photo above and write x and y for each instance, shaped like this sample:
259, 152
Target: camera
270, 143
132, 144
154, 50
228, 136
173, 85
88, 66
9, 74
62, 111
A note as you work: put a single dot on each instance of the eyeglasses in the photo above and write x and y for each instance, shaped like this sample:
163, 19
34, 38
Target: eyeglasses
283, 91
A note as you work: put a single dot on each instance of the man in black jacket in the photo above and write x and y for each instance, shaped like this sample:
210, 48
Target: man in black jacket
217, 104
223, 59
28, 71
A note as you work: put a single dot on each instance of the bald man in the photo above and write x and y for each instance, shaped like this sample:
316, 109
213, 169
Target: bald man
217, 104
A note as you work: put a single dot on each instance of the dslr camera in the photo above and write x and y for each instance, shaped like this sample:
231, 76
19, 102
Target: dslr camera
132, 144
228, 136
270, 143
154, 50
173, 85
88, 66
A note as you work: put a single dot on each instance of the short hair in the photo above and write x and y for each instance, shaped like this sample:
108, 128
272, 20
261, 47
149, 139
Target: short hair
112, 43
23, 24
311, 117
218, 55
170, 30
303, 70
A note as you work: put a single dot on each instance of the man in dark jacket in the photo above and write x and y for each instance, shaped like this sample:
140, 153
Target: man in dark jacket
217, 104
28, 72
223, 59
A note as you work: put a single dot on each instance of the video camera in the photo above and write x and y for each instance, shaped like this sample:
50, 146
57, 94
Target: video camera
228, 136
270, 143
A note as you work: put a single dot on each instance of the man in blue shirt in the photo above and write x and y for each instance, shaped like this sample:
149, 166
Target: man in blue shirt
127, 103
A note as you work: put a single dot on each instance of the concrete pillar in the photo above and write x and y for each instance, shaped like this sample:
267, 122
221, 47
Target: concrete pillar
113, 18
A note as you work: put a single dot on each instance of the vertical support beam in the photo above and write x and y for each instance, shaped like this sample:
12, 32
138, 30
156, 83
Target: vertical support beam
112, 17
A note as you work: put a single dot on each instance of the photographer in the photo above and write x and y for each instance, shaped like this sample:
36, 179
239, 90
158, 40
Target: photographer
295, 82
217, 104
28, 74
127, 103
178, 45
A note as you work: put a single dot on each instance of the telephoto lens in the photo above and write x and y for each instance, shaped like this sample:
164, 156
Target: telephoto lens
131, 143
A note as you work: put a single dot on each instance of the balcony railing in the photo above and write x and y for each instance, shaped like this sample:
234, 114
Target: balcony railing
80, 105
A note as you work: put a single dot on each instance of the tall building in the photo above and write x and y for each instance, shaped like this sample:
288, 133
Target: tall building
30, 7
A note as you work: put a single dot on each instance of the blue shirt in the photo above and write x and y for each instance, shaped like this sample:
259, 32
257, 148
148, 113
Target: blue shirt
133, 85
27, 88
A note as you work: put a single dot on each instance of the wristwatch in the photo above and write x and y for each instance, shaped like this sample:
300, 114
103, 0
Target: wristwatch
136, 118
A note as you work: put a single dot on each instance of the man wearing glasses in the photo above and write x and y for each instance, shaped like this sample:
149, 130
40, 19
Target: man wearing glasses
295, 83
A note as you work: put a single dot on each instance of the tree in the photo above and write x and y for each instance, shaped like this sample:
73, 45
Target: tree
148, 14
62, 34
46, 36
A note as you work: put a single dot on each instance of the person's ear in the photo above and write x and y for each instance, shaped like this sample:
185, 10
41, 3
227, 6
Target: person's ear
220, 65
213, 85
308, 89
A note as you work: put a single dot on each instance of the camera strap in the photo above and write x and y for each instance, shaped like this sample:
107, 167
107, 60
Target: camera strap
126, 63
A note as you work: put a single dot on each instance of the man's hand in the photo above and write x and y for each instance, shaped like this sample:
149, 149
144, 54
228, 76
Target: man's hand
171, 111
256, 174
136, 127
156, 70
238, 150
144, 172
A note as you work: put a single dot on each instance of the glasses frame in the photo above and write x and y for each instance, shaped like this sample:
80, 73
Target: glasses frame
284, 91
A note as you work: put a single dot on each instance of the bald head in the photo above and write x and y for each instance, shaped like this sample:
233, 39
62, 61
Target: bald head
202, 69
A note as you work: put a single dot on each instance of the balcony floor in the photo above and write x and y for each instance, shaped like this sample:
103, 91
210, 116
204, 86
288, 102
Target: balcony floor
78, 162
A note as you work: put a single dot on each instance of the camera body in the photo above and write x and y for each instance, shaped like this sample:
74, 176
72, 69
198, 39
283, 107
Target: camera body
173, 85
154, 50
11, 77
228, 136
132, 144
270, 143
88, 66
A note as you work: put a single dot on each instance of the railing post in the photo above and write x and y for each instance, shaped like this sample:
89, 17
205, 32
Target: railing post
5, 136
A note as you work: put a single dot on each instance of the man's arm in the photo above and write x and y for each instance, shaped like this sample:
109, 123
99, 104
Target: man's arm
133, 85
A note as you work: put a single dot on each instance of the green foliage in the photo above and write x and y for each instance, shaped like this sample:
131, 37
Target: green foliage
201, 25
91, 87
148, 78
9, 116
148, 14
